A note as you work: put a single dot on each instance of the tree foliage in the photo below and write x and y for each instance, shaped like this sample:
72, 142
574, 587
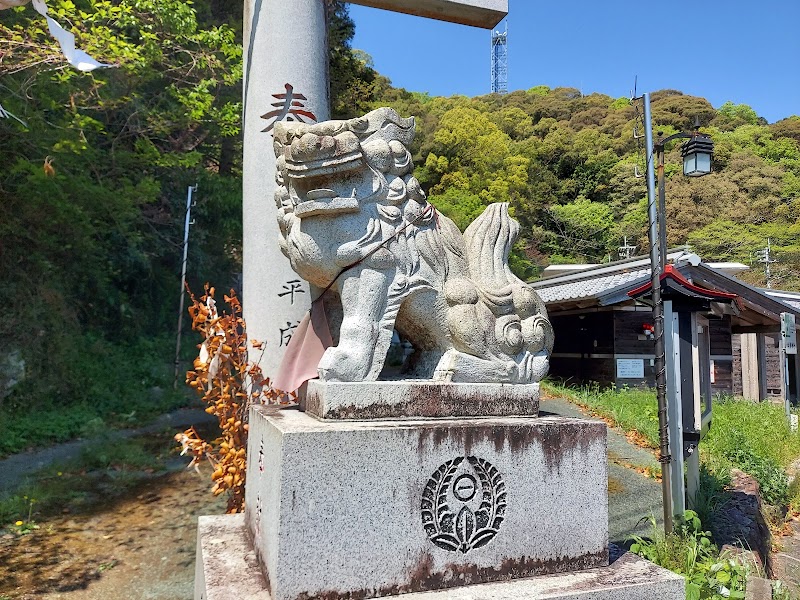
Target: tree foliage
92, 186
567, 162
95, 171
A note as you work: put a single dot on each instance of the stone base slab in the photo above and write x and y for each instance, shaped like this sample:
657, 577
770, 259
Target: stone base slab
363, 509
226, 565
411, 398
226, 569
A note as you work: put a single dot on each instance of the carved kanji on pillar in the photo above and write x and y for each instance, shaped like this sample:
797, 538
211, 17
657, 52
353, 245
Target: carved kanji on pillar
290, 107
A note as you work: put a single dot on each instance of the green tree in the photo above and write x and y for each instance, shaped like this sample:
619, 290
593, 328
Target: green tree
730, 116
92, 190
354, 82
584, 228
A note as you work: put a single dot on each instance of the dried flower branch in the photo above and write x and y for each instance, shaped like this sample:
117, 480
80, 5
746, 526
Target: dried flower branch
228, 384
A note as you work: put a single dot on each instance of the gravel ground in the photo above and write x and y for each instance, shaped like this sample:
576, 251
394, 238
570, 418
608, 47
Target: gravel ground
141, 547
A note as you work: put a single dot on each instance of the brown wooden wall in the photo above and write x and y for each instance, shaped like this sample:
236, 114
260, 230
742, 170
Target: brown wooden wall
590, 333
582, 370
628, 332
773, 360
723, 377
736, 349
774, 379
720, 330
721, 354
586, 348
581, 340
630, 342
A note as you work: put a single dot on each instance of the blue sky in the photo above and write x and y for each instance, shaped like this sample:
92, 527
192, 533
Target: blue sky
740, 50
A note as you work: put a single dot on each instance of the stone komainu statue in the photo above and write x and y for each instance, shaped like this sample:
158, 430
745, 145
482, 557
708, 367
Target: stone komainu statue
350, 212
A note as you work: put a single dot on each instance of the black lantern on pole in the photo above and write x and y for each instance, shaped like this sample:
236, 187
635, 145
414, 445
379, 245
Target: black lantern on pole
697, 153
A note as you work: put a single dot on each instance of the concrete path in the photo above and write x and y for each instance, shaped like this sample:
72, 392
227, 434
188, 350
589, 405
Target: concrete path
632, 496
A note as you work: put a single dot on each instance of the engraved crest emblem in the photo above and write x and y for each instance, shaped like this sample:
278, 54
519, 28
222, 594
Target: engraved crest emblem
463, 504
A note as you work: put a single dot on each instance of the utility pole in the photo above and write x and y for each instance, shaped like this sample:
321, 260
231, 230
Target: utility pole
186, 224
626, 250
765, 256
657, 262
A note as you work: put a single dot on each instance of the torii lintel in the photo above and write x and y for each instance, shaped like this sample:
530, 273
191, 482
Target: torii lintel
477, 13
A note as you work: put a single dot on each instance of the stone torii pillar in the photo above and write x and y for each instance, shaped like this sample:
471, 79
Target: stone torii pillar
286, 79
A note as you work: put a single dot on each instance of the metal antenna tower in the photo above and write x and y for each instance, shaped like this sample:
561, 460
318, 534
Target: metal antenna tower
500, 61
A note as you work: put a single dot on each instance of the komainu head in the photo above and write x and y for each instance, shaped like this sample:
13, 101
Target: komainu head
334, 166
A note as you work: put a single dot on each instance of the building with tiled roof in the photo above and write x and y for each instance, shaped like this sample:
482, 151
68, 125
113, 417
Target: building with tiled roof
604, 335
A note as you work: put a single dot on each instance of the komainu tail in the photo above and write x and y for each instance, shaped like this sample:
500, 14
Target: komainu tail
488, 241
518, 339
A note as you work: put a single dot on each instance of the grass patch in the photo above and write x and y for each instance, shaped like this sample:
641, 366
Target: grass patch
761, 425
712, 493
120, 386
753, 437
632, 409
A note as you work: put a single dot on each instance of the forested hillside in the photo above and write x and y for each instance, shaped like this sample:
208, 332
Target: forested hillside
566, 162
93, 184
94, 169
93, 187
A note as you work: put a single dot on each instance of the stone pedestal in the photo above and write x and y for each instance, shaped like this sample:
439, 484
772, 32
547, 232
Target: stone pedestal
473, 507
414, 397
372, 508
227, 568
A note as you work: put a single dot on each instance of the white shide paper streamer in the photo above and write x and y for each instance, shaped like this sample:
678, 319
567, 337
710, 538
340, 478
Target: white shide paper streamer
77, 58
4, 114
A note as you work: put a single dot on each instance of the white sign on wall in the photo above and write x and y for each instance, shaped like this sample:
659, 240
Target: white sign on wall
788, 333
630, 368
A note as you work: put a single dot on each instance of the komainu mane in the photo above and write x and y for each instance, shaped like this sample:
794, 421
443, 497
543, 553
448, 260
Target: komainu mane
353, 219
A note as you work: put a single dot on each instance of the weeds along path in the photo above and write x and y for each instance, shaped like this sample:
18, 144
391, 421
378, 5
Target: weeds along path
16, 469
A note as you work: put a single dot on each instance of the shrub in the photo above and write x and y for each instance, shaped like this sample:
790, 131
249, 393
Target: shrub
688, 551
116, 385
770, 476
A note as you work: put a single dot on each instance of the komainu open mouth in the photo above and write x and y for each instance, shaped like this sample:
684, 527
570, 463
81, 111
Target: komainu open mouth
314, 196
